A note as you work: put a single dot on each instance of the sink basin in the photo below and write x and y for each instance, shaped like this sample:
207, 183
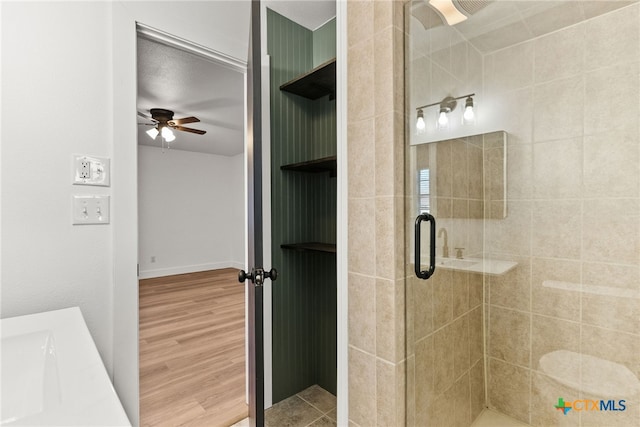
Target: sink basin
457, 263
473, 265
35, 387
52, 374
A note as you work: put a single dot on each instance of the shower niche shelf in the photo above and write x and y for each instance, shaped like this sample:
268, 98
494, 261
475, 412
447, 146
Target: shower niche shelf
311, 247
316, 83
326, 164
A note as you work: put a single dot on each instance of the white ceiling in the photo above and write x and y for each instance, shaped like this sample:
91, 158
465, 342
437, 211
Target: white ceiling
190, 85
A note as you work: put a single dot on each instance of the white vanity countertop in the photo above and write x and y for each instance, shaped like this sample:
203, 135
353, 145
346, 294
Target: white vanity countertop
476, 265
52, 373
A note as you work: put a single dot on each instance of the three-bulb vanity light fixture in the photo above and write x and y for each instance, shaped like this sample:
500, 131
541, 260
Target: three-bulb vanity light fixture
447, 105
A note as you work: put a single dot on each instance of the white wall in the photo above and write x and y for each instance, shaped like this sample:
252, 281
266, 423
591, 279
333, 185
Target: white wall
69, 86
55, 102
190, 210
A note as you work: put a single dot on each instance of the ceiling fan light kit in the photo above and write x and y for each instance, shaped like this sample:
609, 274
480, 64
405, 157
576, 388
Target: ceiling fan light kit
164, 124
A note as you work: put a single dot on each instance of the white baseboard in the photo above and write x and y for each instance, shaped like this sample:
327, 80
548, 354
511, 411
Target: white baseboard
161, 272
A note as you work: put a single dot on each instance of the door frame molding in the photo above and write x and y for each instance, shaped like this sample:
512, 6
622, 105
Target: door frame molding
342, 218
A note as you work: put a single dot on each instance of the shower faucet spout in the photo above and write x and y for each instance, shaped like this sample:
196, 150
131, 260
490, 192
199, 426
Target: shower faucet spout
445, 246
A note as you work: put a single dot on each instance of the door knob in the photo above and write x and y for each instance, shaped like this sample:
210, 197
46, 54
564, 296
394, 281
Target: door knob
258, 275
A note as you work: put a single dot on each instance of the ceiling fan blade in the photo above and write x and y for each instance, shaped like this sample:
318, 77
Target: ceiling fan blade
146, 116
148, 124
178, 122
184, 129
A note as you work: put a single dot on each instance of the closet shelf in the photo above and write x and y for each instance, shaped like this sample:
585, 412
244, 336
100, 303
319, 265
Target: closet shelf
316, 83
326, 164
311, 247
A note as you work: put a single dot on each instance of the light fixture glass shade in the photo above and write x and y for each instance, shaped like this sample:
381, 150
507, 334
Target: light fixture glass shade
469, 115
443, 119
420, 124
153, 133
167, 134
448, 10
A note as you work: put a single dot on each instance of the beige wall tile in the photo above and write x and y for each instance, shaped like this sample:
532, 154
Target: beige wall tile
612, 98
360, 81
510, 68
519, 170
615, 237
476, 336
475, 290
385, 240
441, 409
558, 15
385, 392
361, 240
613, 38
544, 392
548, 296
621, 312
460, 330
550, 334
611, 275
476, 383
362, 312
462, 401
560, 54
424, 378
361, 158
362, 387
612, 163
511, 235
509, 389
557, 226
443, 349
509, 335
386, 320
444, 170
422, 298
442, 297
388, 173
460, 293
615, 347
551, 124
515, 112
459, 169
384, 57
360, 17
557, 169
511, 289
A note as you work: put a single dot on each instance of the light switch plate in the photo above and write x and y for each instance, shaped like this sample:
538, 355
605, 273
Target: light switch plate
90, 209
88, 170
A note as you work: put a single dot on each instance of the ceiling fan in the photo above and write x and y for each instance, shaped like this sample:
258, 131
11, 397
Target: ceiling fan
163, 123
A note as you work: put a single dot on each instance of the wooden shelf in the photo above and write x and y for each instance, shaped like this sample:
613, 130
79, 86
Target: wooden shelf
326, 164
311, 247
316, 83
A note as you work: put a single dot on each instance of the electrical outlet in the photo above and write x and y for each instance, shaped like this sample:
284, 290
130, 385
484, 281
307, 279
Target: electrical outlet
85, 169
90, 170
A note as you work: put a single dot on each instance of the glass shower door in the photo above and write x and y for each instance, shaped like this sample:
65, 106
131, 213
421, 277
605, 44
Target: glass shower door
534, 307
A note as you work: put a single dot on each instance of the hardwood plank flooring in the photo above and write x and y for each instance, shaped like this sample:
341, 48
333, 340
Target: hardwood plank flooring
192, 350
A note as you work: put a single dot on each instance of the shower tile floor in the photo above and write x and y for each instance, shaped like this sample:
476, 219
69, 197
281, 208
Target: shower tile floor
489, 418
312, 407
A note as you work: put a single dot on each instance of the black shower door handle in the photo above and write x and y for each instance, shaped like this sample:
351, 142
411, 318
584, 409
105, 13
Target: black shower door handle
425, 274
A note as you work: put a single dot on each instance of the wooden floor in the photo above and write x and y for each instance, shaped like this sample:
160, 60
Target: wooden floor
192, 354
